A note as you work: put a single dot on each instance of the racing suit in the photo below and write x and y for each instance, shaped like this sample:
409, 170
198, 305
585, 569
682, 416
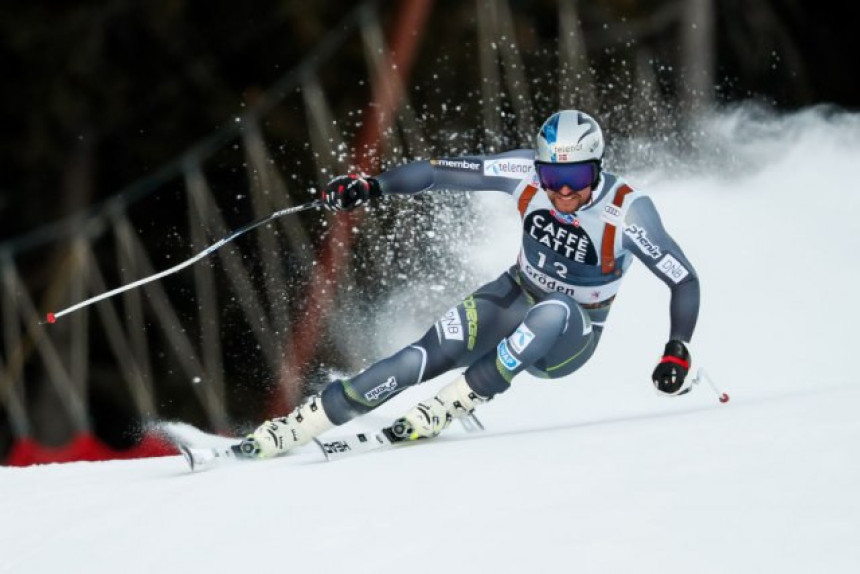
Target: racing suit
546, 313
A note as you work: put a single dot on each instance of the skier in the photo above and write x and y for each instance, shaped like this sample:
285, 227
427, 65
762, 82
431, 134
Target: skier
582, 227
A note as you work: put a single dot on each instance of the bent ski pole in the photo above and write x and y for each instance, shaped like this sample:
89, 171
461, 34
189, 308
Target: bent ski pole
703, 375
52, 317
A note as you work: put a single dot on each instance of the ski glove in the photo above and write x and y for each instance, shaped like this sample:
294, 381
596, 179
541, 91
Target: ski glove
671, 373
346, 192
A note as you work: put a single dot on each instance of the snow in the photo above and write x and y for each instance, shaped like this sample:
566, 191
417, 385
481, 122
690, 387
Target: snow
593, 473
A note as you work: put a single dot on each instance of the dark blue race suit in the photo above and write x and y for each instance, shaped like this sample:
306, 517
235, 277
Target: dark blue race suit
546, 313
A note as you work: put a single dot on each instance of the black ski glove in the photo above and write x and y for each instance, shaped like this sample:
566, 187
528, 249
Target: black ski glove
346, 192
670, 375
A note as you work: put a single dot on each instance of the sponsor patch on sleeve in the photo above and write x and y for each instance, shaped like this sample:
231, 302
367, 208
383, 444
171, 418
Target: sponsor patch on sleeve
512, 168
645, 245
462, 164
506, 358
672, 268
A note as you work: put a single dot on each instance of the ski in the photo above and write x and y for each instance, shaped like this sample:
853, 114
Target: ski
339, 447
206, 457
333, 448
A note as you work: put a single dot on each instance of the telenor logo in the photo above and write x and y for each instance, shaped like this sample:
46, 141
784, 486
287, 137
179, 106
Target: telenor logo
510, 168
521, 339
567, 148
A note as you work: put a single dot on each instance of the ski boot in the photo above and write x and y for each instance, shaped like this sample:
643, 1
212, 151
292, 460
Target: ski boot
427, 419
277, 436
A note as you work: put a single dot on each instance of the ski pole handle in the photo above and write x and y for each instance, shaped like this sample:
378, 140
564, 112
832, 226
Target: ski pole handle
52, 317
702, 375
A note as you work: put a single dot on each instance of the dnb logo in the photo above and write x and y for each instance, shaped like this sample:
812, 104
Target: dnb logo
451, 326
568, 240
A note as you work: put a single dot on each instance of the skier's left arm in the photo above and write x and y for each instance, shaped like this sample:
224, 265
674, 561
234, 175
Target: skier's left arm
645, 237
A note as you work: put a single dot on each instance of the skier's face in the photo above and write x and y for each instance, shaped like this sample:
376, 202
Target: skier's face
568, 200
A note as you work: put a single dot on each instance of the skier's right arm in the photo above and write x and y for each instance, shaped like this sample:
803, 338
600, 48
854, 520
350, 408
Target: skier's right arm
501, 172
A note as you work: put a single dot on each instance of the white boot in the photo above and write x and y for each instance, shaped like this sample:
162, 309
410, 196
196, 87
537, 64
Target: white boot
424, 420
277, 436
429, 418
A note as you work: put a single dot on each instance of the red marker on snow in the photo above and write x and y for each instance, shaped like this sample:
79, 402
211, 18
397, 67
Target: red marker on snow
724, 398
51, 318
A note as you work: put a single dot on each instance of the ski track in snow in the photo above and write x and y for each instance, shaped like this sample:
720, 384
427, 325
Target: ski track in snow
593, 473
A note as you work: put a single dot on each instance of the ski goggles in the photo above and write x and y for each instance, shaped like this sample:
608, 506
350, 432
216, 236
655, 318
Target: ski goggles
577, 176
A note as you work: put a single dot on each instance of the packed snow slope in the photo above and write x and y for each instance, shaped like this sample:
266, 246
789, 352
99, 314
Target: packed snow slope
593, 473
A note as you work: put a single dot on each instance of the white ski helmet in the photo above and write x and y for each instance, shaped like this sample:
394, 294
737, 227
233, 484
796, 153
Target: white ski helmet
570, 136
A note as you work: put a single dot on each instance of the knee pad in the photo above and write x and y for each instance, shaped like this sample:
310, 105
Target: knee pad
553, 315
575, 316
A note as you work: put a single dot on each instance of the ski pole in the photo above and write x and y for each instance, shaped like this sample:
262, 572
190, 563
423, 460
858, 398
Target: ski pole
52, 317
703, 375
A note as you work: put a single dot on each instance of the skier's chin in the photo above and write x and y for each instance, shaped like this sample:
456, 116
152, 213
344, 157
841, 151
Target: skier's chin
566, 205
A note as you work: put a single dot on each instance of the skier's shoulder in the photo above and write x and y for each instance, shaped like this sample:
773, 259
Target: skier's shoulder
611, 185
616, 190
613, 190
619, 202
520, 153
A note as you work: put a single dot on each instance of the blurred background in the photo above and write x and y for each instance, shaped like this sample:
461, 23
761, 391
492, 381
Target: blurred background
137, 133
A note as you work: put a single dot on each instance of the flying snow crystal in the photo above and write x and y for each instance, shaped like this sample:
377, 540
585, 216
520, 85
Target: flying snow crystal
196, 380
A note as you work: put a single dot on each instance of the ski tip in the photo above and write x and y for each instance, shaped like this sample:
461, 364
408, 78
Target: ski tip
186, 454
